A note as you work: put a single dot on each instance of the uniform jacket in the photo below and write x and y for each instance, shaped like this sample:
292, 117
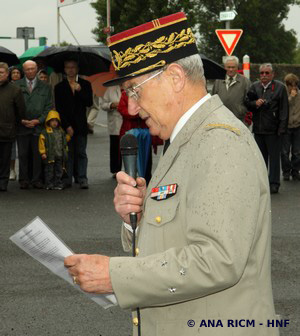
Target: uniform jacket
114, 118
72, 107
271, 117
38, 104
12, 110
46, 139
205, 252
234, 97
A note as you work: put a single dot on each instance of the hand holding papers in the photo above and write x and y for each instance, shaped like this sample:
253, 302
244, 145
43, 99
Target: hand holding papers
42, 244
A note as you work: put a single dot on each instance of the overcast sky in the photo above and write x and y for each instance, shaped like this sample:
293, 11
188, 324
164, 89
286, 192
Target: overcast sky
81, 18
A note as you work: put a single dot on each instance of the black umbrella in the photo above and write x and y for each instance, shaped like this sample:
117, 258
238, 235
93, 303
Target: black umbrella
91, 60
8, 57
212, 70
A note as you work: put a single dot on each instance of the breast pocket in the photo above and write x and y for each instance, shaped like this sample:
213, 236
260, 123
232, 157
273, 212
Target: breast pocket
159, 213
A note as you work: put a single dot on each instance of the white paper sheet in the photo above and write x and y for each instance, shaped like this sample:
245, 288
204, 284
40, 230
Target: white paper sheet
42, 244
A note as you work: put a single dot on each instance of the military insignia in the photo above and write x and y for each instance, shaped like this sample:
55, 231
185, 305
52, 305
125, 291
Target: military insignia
163, 192
224, 126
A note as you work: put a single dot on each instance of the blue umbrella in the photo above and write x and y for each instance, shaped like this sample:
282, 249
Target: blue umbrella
144, 146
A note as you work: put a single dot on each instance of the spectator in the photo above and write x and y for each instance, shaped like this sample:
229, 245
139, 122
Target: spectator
72, 97
92, 113
110, 104
38, 101
43, 76
268, 101
233, 89
54, 151
14, 75
12, 111
291, 140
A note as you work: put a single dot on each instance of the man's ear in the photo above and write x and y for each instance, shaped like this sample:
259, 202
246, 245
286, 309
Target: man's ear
176, 76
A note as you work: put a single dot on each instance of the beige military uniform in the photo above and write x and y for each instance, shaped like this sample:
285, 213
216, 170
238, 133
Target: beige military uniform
204, 253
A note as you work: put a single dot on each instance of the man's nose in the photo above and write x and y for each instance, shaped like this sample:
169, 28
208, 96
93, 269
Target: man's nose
133, 107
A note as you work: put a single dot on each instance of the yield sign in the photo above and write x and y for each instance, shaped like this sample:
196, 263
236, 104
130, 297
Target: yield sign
229, 38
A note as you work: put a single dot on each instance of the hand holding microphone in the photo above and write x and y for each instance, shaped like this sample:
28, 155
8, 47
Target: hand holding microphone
130, 191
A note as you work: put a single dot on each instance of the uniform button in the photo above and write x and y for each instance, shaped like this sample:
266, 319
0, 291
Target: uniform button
158, 219
137, 251
135, 321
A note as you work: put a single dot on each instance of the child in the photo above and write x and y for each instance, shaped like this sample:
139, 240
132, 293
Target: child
54, 151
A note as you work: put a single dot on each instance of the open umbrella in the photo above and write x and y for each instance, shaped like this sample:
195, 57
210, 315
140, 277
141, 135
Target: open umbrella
91, 60
30, 53
212, 70
98, 79
8, 57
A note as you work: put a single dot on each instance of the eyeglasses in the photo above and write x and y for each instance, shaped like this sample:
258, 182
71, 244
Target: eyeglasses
265, 73
132, 93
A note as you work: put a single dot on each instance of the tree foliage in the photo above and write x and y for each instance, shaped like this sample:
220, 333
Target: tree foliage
264, 39
264, 36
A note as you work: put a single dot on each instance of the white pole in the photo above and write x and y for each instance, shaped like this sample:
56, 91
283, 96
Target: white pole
246, 66
108, 16
227, 23
58, 27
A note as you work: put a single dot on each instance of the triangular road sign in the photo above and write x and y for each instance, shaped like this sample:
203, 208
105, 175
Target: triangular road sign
229, 38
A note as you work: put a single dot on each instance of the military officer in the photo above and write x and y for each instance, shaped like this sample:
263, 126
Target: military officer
204, 223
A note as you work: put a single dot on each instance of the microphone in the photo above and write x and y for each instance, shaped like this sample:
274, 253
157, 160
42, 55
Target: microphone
129, 149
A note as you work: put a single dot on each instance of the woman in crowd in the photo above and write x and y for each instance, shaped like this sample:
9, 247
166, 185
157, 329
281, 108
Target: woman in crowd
290, 151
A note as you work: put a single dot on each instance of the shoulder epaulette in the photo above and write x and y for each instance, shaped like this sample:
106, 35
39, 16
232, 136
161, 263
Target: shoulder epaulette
223, 126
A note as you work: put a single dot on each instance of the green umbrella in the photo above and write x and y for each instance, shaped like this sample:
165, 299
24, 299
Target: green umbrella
31, 53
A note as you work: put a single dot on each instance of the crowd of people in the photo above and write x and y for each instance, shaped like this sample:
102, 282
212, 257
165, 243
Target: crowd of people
45, 159
49, 125
272, 109
269, 107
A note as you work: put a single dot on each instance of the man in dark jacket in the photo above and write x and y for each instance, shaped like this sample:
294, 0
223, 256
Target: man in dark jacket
38, 100
72, 97
268, 101
12, 111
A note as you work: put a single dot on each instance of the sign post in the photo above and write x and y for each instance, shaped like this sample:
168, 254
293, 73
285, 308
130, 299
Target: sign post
25, 33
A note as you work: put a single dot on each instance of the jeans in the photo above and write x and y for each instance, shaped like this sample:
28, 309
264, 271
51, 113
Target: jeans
77, 159
54, 173
290, 152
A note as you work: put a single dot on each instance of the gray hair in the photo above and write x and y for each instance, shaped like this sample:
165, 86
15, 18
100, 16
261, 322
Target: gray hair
266, 65
192, 67
231, 58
